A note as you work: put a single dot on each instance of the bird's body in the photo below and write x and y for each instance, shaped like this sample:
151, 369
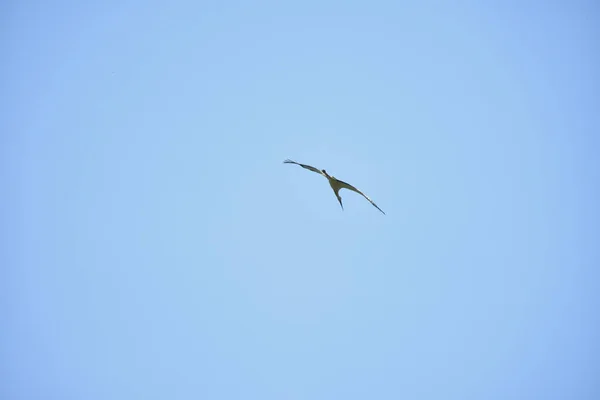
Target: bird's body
336, 184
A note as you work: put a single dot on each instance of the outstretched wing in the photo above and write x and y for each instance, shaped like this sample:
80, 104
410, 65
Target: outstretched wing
344, 185
313, 169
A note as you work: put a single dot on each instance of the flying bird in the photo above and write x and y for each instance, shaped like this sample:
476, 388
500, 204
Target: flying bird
335, 184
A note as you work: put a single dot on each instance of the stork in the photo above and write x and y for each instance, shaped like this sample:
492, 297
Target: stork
335, 184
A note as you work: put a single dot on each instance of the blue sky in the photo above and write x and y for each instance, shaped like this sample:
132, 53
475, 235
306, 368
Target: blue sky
154, 246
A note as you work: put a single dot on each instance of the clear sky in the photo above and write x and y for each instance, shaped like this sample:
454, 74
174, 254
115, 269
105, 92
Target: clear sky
154, 246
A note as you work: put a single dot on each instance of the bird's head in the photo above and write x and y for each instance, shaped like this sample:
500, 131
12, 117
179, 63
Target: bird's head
325, 172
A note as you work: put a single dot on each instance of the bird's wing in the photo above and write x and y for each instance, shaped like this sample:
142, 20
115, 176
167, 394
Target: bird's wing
313, 169
344, 185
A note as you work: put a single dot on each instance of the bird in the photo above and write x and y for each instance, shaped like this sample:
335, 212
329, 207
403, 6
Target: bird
335, 184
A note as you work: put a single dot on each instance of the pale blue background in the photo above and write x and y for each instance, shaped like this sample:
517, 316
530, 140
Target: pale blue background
154, 246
